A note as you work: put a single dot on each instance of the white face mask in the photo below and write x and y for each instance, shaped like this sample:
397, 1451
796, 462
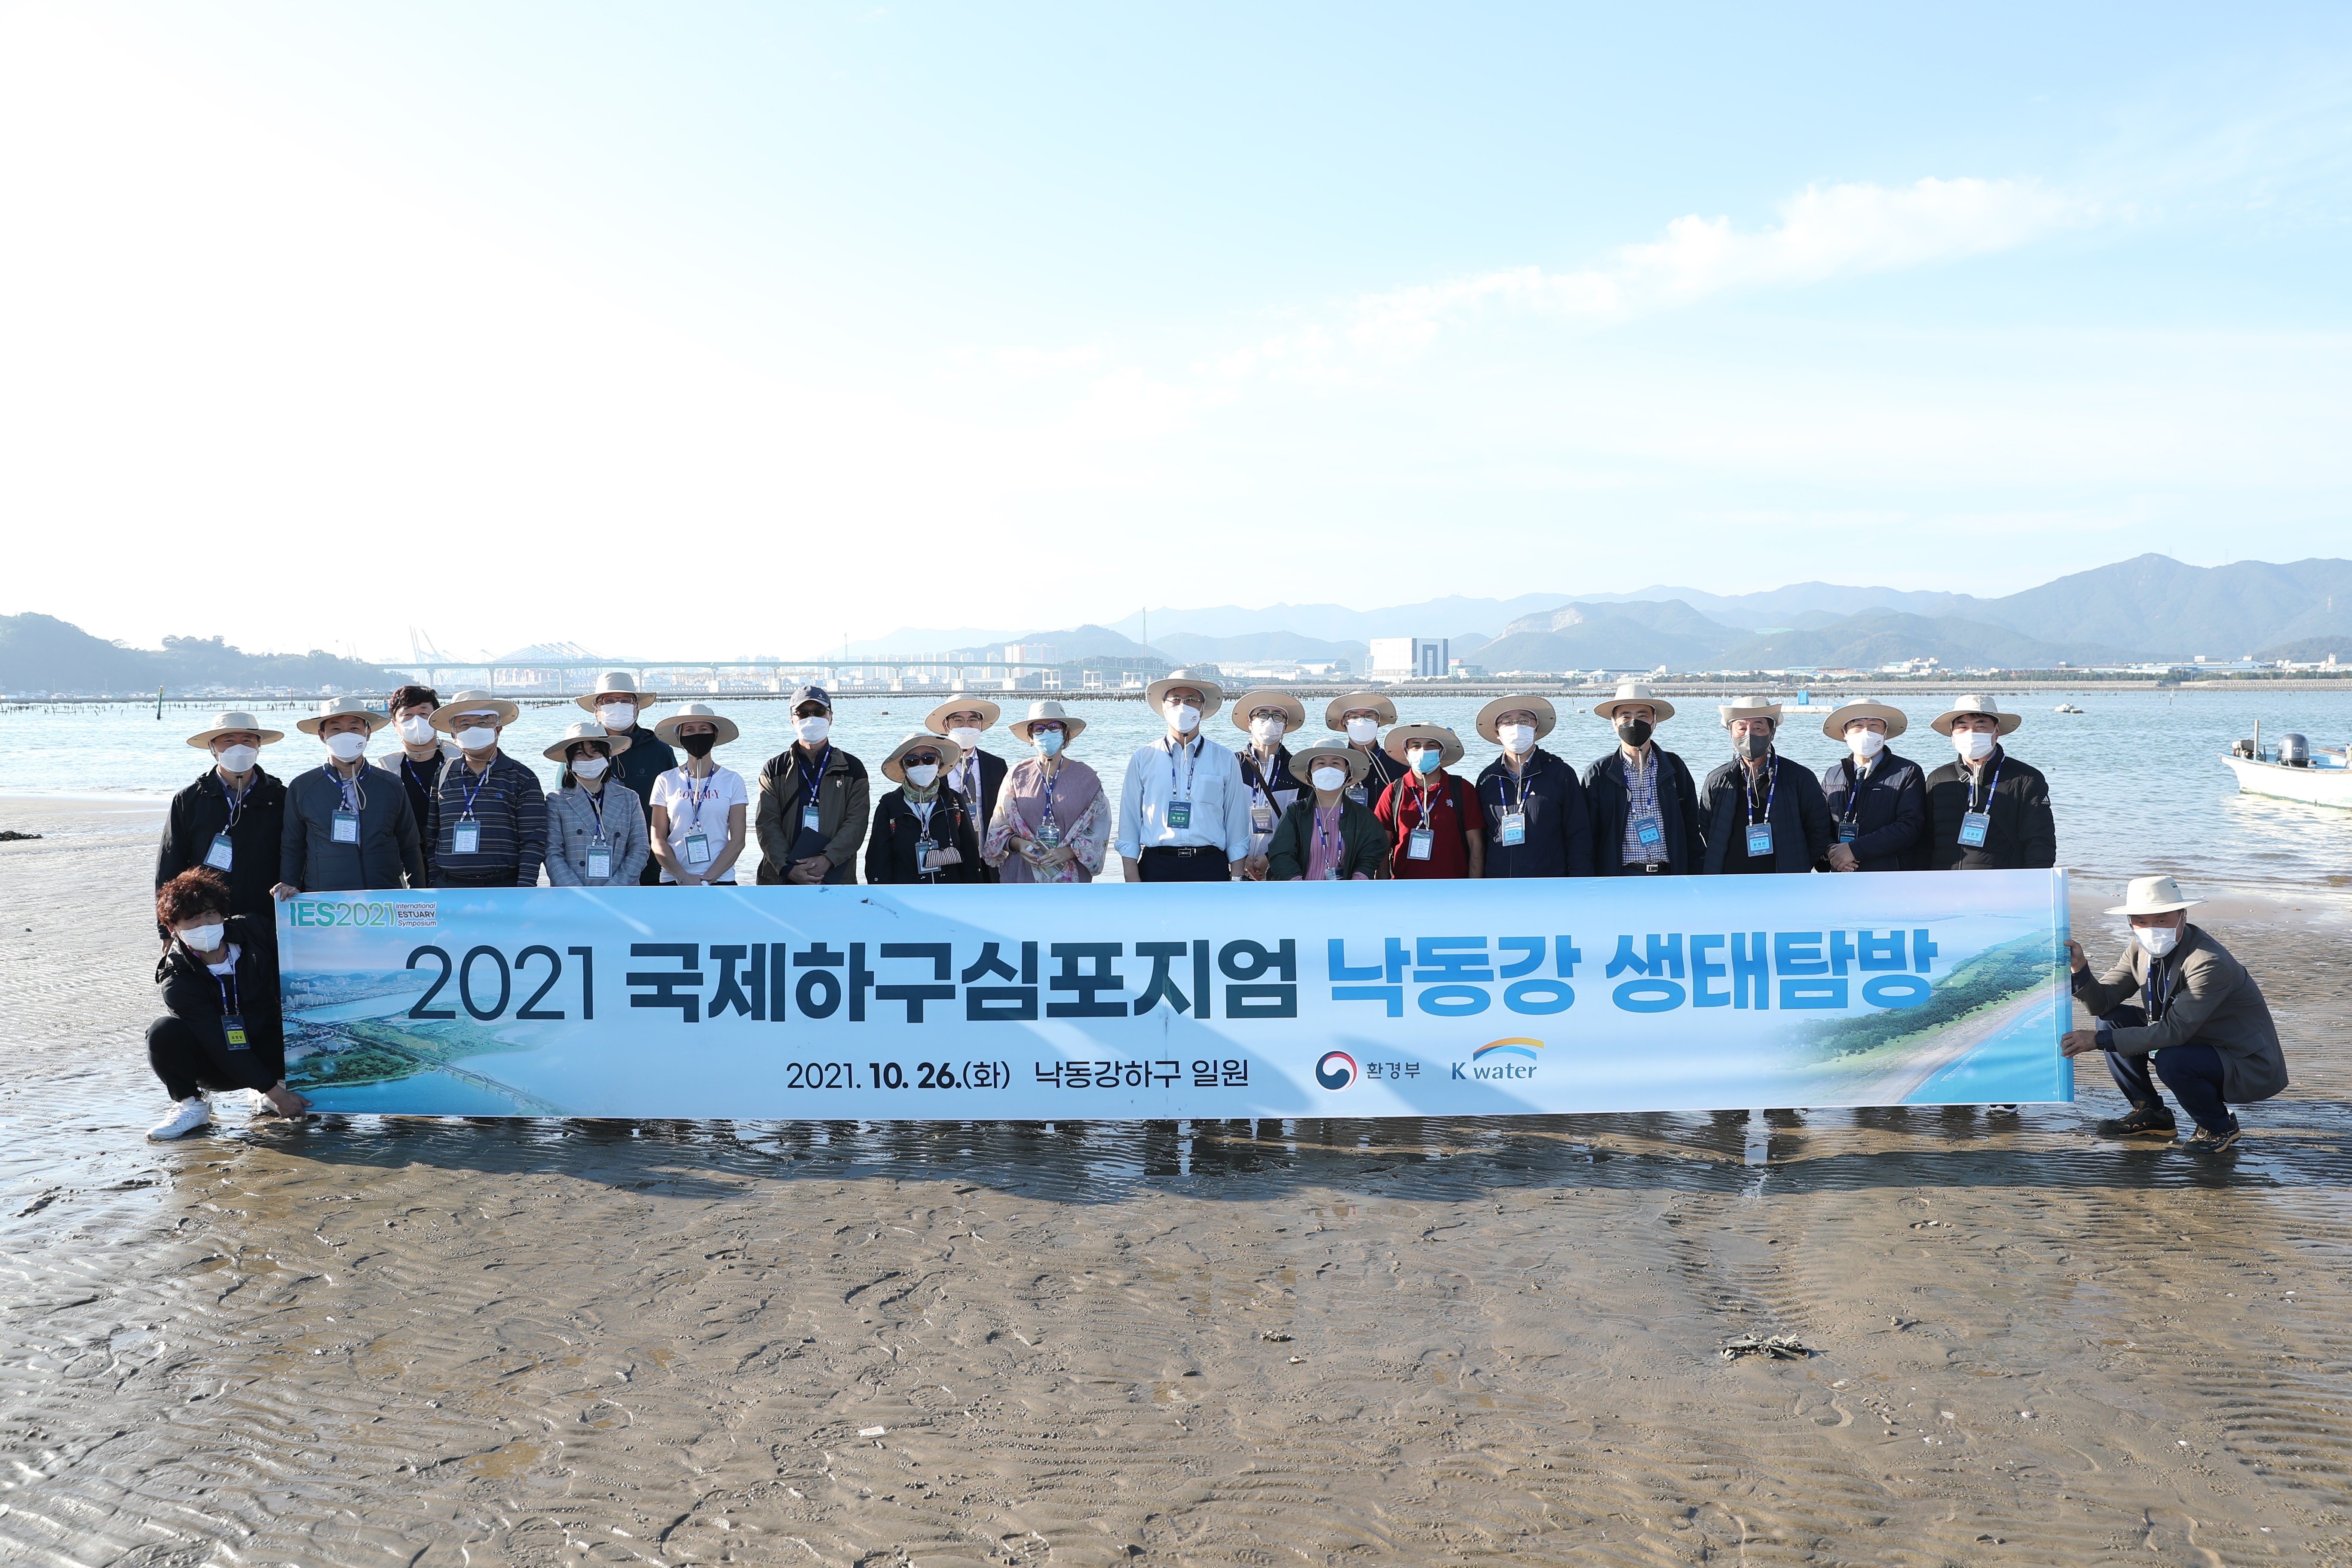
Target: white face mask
813, 729
616, 715
1184, 717
346, 747
2158, 940
237, 759
1361, 731
1864, 743
416, 729
1517, 739
481, 738
205, 937
1330, 779
1267, 731
923, 774
589, 768
964, 735
1973, 745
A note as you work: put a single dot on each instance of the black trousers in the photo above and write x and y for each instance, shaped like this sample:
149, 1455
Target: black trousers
178, 1055
2193, 1073
1168, 866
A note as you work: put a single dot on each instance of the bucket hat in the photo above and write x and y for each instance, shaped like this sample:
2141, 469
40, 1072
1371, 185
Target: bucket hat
935, 720
612, 683
1633, 692
1895, 720
666, 729
1302, 762
445, 717
1213, 695
950, 754
586, 729
1294, 712
2151, 896
1490, 716
1972, 703
1381, 706
1072, 728
229, 722
1750, 707
339, 707
1450, 753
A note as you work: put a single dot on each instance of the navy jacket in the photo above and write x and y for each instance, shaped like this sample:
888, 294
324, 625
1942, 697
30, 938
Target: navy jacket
2023, 834
1607, 800
1890, 812
1801, 831
1559, 822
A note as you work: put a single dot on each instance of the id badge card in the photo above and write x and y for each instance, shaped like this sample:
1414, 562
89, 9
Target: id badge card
1419, 842
698, 849
924, 850
808, 820
233, 1025
220, 855
1760, 840
346, 827
1848, 832
600, 858
1180, 814
1360, 793
1261, 818
1974, 825
466, 838
1512, 829
1049, 834
1649, 830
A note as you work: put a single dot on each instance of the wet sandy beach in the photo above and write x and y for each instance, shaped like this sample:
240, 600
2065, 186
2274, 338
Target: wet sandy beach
363, 1341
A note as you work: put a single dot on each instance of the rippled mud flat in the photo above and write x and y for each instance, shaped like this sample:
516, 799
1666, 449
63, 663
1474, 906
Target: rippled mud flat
382, 1340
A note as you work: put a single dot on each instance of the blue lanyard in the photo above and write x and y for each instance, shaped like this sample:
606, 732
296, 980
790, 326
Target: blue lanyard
1191, 753
424, 785
692, 799
236, 801
596, 805
473, 790
1770, 791
1421, 793
343, 786
1857, 775
808, 791
1986, 807
2160, 998
1322, 843
1502, 787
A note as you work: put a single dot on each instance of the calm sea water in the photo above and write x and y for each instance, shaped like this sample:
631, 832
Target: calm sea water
2137, 779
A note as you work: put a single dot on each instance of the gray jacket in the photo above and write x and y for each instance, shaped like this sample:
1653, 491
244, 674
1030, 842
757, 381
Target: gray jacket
2214, 1002
387, 855
571, 823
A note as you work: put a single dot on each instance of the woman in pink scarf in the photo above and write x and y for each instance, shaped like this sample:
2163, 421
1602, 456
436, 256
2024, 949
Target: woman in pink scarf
1052, 823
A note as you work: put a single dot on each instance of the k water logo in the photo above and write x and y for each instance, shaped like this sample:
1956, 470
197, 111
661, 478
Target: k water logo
1494, 1059
1335, 1070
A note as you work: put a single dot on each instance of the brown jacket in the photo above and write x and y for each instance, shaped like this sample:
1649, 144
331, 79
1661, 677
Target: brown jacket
2214, 1002
842, 813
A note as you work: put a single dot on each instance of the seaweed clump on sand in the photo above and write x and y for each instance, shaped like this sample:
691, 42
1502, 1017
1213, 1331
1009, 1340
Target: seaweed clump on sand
10, 836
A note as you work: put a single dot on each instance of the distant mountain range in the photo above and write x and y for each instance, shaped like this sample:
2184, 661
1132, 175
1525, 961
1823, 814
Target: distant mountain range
42, 654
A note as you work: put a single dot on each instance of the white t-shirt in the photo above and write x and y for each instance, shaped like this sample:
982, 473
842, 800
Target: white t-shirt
683, 798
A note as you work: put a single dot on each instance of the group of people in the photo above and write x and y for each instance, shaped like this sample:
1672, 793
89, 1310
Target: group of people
447, 807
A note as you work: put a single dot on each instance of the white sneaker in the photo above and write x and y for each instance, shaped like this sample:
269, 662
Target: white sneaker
188, 1116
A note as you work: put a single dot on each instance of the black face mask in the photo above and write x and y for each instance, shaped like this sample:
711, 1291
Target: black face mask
1752, 746
697, 746
1633, 732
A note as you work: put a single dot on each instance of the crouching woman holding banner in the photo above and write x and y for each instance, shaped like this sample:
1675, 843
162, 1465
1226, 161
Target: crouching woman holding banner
221, 1028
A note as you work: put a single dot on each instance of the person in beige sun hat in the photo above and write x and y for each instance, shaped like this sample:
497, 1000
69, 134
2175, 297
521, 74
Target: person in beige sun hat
1987, 810
1051, 822
700, 811
2199, 1021
232, 817
1877, 800
1360, 715
980, 777
488, 825
924, 832
1183, 810
1430, 815
348, 823
1326, 835
620, 706
1538, 821
1643, 803
1760, 812
1266, 716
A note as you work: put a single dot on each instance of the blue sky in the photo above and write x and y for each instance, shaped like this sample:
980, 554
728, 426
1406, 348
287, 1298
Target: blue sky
775, 323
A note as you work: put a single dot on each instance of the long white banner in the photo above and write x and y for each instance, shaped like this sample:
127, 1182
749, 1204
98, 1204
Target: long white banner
1205, 1000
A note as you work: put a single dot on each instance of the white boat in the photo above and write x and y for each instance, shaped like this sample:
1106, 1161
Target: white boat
2323, 781
2066, 708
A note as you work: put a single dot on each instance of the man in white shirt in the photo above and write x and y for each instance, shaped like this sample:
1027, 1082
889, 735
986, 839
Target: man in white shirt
1183, 814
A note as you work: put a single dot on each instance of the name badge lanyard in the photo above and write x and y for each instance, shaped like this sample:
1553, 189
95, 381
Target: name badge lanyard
1512, 826
1422, 842
1261, 795
698, 843
222, 855
600, 854
1759, 834
347, 816
1976, 825
465, 833
808, 790
924, 842
1332, 854
1179, 809
232, 1014
1049, 832
1856, 773
1649, 827
2159, 995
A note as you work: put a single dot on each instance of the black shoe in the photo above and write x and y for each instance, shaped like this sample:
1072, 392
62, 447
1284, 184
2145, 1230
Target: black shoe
2212, 1143
2146, 1121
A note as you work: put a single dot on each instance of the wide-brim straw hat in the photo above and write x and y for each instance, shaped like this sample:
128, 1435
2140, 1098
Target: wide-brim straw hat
1490, 721
950, 754
345, 706
1633, 692
1748, 708
1293, 711
445, 717
1072, 727
1379, 705
666, 731
1302, 762
230, 724
1895, 720
2152, 895
1213, 695
612, 683
1395, 743
1973, 703
588, 730
935, 720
